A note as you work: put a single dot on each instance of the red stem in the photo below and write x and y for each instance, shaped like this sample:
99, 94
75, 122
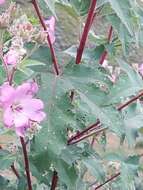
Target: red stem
129, 102
54, 59
105, 53
86, 136
26, 162
15, 171
96, 132
79, 134
111, 179
86, 31
54, 180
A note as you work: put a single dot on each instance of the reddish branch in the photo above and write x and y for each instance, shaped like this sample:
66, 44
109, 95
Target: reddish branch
15, 171
54, 59
54, 180
13, 168
130, 101
86, 31
79, 134
26, 162
93, 129
95, 132
104, 54
109, 180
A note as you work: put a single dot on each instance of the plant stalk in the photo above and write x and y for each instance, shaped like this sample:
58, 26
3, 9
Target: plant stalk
105, 53
54, 180
54, 59
96, 132
79, 134
86, 31
26, 162
130, 101
15, 171
109, 180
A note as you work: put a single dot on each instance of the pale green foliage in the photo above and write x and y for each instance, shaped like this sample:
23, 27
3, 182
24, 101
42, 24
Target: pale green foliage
96, 97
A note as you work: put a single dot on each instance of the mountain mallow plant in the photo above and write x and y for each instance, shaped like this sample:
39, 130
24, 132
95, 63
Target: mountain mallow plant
60, 108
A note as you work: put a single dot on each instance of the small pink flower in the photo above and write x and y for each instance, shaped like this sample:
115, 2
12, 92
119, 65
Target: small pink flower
51, 28
11, 57
2, 2
141, 69
20, 109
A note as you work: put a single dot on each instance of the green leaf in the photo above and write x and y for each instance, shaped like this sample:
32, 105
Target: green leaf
95, 168
51, 5
6, 159
122, 10
129, 84
30, 62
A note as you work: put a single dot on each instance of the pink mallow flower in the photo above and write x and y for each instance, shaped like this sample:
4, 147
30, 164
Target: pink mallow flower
50, 23
2, 2
11, 57
20, 109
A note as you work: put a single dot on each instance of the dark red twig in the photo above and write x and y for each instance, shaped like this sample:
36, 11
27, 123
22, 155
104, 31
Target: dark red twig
96, 132
54, 59
79, 134
13, 168
109, 180
105, 53
26, 162
130, 101
15, 171
54, 180
89, 20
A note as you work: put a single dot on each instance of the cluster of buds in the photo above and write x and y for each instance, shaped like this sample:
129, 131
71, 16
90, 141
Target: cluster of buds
33, 129
6, 17
22, 28
113, 72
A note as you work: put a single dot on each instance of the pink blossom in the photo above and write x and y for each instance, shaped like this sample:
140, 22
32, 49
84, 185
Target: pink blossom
11, 57
20, 108
141, 69
2, 2
51, 28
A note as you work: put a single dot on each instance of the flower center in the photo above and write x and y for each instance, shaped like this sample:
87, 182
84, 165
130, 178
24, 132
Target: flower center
16, 107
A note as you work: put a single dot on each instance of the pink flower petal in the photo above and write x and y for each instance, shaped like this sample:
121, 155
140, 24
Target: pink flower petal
20, 119
51, 28
38, 116
8, 117
141, 69
2, 2
7, 94
11, 57
51, 23
32, 109
20, 131
32, 104
26, 89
